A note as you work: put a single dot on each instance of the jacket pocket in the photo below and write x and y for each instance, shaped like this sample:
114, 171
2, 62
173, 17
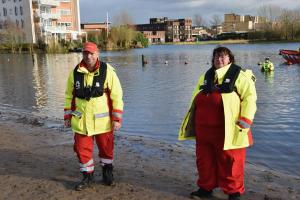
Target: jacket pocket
77, 121
102, 122
240, 136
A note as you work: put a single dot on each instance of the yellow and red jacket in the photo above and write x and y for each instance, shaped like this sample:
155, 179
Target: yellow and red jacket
94, 116
239, 110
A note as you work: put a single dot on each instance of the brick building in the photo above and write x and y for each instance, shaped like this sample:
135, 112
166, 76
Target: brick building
167, 30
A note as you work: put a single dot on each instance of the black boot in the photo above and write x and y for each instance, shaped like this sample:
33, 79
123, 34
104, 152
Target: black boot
86, 182
107, 174
201, 193
234, 196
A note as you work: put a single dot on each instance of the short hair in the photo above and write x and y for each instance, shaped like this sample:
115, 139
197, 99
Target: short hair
223, 51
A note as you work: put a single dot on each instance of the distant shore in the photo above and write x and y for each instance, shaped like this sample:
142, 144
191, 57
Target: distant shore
204, 42
39, 163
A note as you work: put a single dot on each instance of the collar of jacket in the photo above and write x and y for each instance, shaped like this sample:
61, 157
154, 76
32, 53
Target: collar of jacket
83, 67
220, 73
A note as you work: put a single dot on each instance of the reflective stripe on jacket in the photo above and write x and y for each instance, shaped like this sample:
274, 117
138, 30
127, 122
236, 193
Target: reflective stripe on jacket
94, 116
239, 110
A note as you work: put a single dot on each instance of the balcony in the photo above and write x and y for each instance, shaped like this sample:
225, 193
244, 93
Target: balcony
55, 29
50, 15
52, 3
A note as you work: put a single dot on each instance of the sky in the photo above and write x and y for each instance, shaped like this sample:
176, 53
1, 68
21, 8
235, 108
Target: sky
142, 10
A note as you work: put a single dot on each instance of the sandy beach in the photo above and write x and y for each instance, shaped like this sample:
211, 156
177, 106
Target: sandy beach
39, 163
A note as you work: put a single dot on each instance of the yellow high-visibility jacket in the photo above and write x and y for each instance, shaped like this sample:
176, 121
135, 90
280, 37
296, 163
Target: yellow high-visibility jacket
268, 66
239, 110
94, 116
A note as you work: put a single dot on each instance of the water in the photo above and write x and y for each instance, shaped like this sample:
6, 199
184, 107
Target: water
157, 95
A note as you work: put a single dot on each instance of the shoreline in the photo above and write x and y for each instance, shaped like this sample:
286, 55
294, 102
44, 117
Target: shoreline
55, 124
39, 163
230, 41
203, 42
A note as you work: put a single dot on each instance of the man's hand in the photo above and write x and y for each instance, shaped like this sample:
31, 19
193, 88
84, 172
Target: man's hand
67, 123
117, 125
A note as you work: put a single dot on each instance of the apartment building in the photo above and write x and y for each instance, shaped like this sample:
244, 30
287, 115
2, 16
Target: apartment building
15, 15
41, 19
200, 32
167, 30
242, 23
155, 31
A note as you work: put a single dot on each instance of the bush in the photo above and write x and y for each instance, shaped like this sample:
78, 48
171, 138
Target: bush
140, 39
55, 47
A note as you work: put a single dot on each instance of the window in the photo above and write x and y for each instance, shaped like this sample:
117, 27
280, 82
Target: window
16, 11
3, 1
17, 23
4, 12
22, 23
65, 12
21, 10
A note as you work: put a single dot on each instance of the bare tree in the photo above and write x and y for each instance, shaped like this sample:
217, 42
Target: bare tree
216, 20
289, 20
122, 32
122, 19
199, 20
12, 36
271, 12
295, 22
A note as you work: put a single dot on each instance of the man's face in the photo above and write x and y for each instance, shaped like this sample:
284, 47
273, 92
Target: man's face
90, 58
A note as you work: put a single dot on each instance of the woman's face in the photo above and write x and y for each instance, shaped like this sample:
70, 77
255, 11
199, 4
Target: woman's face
221, 60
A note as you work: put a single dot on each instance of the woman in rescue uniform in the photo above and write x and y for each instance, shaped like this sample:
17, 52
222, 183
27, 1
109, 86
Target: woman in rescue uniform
93, 108
220, 115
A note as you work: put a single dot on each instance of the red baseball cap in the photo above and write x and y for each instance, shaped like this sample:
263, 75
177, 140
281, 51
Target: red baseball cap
90, 47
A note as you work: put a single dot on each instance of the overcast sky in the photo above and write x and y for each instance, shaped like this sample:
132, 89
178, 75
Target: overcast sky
141, 10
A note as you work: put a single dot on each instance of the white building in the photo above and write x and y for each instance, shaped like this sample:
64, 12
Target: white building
35, 20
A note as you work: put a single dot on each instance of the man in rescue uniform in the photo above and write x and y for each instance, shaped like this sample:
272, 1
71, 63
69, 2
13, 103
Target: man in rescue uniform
93, 108
221, 113
267, 66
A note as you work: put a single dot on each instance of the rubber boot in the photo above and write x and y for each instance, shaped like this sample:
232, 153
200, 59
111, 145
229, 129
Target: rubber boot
107, 174
234, 196
201, 193
86, 182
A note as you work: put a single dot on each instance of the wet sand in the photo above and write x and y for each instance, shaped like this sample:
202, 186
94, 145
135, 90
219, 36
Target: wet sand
39, 163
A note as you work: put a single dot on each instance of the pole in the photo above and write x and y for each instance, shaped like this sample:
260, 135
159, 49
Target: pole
107, 25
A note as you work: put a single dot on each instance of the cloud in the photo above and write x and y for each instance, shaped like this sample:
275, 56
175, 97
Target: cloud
142, 10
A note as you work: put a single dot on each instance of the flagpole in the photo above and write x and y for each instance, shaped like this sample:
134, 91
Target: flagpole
106, 24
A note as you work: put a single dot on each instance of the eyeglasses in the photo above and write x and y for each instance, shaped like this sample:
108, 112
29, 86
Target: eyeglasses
221, 56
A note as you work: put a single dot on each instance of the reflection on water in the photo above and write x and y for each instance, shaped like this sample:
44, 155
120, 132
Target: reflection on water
269, 77
157, 95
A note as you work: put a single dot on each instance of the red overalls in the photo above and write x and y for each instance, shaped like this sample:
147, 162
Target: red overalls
216, 167
84, 146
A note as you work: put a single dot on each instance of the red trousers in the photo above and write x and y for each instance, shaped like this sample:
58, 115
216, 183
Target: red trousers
84, 146
216, 167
